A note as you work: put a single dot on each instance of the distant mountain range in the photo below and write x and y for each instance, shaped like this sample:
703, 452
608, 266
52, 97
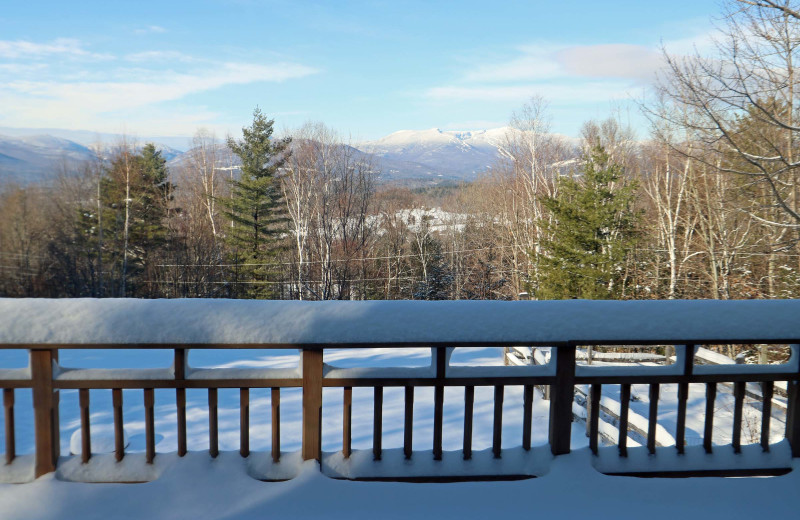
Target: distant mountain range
436, 154
408, 157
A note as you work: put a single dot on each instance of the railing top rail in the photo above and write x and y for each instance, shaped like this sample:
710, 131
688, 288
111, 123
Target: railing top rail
197, 323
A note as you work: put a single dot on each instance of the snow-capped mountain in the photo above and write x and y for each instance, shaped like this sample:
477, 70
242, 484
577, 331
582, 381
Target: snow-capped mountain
410, 157
42, 157
437, 153
37, 157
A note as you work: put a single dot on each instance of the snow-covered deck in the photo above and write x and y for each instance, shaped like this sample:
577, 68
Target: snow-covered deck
360, 420
220, 489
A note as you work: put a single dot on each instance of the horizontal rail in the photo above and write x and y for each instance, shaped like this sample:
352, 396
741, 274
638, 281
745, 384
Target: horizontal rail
500, 342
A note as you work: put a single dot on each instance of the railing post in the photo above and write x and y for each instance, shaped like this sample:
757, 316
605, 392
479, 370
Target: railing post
179, 366
793, 409
45, 411
562, 395
312, 404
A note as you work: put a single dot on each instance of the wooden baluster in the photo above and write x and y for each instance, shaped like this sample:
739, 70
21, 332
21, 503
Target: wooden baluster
56, 422
244, 422
738, 403
179, 365
708, 430
792, 431
563, 394
438, 419
469, 401
440, 363
276, 424
86, 438
497, 430
149, 425
594, 415
180, 400
119, 431
8, 405
347, 422
680, 429
683, 396
652, 418
527, 416
213, 432
377, 423
767, 391
625, 402
408, 422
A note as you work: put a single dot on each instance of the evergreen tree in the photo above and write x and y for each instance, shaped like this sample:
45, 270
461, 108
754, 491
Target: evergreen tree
255, 207
591, 231
135, 195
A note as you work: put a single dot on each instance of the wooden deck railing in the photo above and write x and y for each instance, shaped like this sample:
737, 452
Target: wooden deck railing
46, 378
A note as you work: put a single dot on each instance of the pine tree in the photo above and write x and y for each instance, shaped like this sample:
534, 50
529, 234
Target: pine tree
135, 194
591, 232
255, 207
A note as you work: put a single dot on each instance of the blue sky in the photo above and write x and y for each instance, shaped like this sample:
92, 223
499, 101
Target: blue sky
364, 68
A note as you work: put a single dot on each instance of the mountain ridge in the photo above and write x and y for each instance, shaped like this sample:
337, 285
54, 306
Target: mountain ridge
408, 157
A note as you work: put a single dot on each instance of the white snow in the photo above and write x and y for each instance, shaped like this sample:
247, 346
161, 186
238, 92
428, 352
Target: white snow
101, 437
694, 459
201, 487
78, 374
393, 464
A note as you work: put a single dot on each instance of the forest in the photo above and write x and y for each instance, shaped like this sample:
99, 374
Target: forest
703, 206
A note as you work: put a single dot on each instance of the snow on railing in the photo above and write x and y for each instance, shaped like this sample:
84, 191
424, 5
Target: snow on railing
47, 326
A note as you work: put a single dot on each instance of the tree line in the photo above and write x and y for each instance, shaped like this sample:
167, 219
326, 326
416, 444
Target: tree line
706, 206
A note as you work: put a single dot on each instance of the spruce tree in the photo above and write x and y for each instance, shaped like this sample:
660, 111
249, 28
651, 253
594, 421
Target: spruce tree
591, 232
135, 195
255, 207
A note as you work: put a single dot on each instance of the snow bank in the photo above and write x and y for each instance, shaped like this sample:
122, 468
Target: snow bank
198, 321
393, 464
667, 459
216, 489
105, 468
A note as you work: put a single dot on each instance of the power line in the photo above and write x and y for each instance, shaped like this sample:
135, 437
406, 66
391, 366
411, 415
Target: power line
336, 260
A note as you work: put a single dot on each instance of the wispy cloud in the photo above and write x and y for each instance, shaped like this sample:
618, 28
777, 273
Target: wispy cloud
533, 62
105, 96
543, 62
159, 56
44, 94
562, 93
23, 49
151, 29
563, 73
623, 61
